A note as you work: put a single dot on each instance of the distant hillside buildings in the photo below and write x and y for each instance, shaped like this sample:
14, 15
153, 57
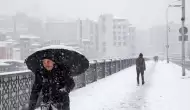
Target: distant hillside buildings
108, 37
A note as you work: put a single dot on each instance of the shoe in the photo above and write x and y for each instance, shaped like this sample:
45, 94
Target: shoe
143, 83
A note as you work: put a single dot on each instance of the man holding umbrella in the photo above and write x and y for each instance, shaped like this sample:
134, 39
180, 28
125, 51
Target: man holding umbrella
54, 68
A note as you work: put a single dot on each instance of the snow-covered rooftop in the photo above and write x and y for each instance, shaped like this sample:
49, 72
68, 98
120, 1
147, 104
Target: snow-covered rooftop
10, 40
9, 37
6, 43
85, 40
11, 60
58, 47
28, 37
3, 44
3, 64
36, 44
17, 49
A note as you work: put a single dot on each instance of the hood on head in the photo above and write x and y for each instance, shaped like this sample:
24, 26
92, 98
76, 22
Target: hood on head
141, 55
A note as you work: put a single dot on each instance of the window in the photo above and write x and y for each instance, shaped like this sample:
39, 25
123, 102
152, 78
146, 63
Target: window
131, 37
119, 37
114, 43
114, 26
128, 34
26, 45
124, 37
114, 33
124, 43
103, 19
119, 32
115, 38
119, 43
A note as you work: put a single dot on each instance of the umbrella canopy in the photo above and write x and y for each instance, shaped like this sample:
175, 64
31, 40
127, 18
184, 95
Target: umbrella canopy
62, 56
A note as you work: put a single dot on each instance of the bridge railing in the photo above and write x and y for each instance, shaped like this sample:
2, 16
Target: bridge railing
174, 58
15, 87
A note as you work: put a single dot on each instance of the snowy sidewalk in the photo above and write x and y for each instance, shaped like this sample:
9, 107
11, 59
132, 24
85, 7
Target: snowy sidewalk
167, 89
109, 93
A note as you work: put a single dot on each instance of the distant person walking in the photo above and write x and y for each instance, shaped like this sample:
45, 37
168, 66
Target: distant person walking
140, 67
155, 58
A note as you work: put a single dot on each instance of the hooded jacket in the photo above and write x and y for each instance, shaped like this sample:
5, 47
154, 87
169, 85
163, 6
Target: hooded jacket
55, 86
140, 63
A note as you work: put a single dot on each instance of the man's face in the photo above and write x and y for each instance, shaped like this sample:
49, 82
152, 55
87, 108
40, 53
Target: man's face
48, 64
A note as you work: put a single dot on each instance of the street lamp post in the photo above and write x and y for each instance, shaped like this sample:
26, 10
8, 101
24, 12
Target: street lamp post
182, 33
167, 29
183, 37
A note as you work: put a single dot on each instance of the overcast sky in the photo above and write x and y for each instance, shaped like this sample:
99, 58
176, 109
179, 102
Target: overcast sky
141, 13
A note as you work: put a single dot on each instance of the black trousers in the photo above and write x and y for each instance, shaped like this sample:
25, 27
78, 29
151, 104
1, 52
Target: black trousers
140, 72
62, 103
59, 106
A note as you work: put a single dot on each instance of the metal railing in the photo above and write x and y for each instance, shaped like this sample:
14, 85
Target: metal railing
15, 87
178, 58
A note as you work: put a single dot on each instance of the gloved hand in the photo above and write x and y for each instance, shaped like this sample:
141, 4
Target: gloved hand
63, 89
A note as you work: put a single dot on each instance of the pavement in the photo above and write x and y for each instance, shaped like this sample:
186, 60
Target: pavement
165, 89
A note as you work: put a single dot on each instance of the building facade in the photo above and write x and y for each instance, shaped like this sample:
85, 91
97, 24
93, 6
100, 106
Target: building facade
66, 32
28, 44
115, 39
6, 50
88, 37
20, 24
51, 42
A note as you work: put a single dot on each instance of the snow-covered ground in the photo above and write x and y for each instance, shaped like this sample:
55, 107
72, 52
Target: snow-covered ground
165, 89
108, 93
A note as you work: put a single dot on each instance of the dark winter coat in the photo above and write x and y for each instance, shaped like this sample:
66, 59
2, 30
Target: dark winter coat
140, 64
52, 84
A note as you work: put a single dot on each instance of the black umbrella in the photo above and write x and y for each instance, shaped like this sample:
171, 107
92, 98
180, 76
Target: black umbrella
62, 56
